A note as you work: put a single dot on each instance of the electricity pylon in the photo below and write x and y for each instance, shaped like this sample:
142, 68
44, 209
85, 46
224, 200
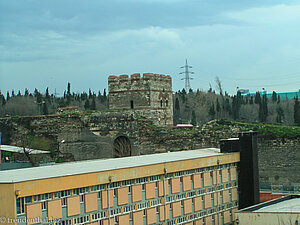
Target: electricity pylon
187, 77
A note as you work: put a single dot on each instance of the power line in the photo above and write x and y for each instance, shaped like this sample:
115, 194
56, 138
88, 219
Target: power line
275, 85
187, 77
282, 76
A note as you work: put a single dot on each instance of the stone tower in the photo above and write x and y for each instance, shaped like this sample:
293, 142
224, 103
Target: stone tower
149, 95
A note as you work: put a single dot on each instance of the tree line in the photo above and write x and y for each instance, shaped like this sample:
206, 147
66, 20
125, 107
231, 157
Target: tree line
195, 107
198, 107
37, 103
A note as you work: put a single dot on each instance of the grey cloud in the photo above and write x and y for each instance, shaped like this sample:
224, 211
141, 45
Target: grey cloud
90, 16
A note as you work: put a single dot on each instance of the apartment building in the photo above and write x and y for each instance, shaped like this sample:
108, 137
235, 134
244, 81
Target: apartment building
186, 187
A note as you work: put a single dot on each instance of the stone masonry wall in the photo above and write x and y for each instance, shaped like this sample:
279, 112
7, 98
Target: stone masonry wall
91, 136
279, 161
278, 158
72, 137
151, 92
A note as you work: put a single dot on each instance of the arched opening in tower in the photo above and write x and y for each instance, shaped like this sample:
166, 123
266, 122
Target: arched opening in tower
122, 147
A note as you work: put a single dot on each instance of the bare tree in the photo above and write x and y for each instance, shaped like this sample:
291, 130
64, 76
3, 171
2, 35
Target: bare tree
219, 85
26, 144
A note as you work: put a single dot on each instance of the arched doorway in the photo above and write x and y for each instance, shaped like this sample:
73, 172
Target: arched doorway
122, 147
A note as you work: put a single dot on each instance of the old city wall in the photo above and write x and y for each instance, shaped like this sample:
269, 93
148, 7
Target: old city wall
279, 161
71, 137
92, 136
278, 157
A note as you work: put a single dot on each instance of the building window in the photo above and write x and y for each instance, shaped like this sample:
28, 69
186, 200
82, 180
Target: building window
64, 202
169, 175
131, 104
65, 193
142, 180
127, 182
98, 187
115, 185
221, 197
78, 191
20, 206
161, 103
57, 194
167, 103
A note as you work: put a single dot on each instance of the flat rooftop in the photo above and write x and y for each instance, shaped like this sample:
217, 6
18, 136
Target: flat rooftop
91, 166
16, 149
287, 204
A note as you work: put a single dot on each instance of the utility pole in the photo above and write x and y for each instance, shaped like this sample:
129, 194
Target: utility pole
187, 77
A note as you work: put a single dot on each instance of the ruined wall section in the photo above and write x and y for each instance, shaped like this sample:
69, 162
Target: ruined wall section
278, 158
75, 136
150, 95
279, 161
91, 136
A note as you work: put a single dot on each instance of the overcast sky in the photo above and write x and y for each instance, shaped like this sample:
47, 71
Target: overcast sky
248, 44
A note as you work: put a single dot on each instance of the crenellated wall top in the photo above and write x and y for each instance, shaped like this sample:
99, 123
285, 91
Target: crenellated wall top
137, 76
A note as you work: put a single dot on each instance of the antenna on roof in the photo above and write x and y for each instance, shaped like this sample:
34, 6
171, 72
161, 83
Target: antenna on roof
187, 77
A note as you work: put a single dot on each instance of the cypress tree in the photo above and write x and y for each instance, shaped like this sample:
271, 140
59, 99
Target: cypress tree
69, 89
47, 94
280, 114
212, 111
3, 102
83, 96
257, 99
263, 109
235, 109
68, 95
93, 105
104, 99
176, 111
274, 96
218, 107
227, 107
297, 112
45, 109
87, 104
236, 105
194, 119
36, 92
177, 106
251, 100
